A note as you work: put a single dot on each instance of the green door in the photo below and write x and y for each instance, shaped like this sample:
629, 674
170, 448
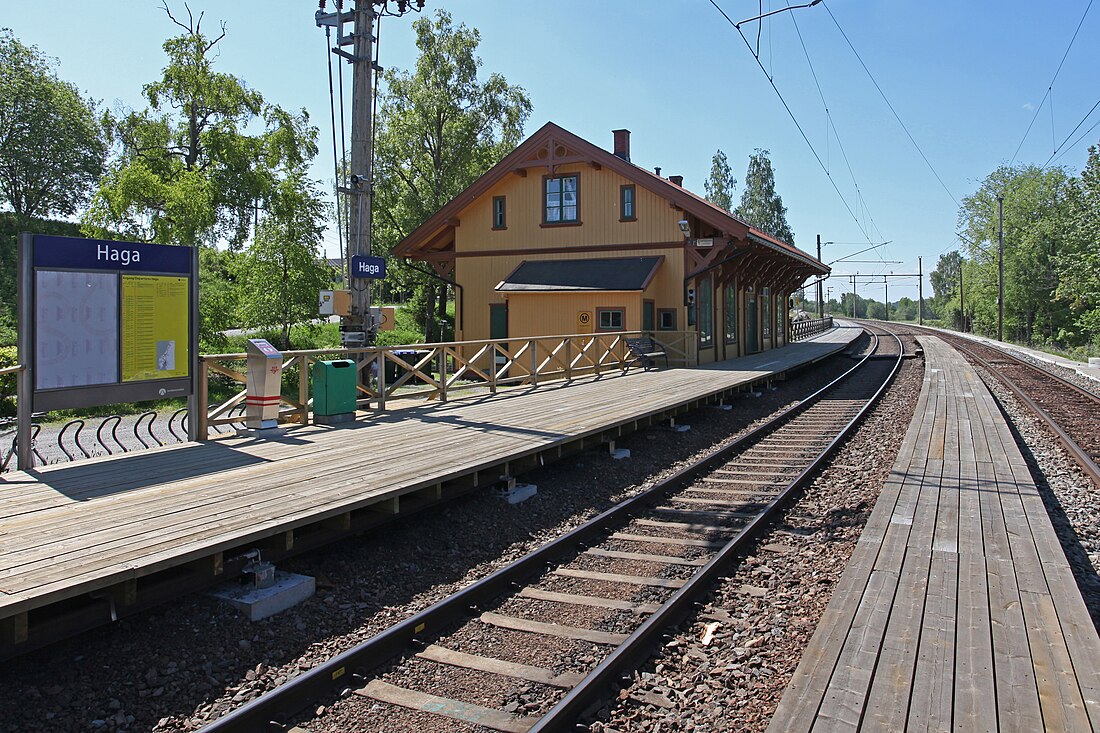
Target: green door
649, 315
498, 320
751, 343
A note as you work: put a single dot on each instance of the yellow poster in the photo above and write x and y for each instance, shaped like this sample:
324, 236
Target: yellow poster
155, 339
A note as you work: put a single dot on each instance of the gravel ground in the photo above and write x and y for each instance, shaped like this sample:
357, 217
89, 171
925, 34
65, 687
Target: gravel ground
1070, 375
180, 667
764, 614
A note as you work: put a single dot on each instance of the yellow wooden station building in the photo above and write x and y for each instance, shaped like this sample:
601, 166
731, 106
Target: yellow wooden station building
563, 237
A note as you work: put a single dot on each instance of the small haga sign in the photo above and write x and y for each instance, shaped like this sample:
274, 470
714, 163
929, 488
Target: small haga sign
368, 266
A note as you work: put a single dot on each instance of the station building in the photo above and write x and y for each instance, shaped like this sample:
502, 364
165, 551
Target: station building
563, 237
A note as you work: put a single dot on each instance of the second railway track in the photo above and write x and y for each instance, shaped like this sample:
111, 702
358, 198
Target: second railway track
1069, 411
605, 592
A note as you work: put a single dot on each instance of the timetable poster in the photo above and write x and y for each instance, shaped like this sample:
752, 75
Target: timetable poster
155, 327
76, 333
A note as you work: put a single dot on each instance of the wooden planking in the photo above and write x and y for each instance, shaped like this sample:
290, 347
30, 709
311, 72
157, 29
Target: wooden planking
973, 622
68, 529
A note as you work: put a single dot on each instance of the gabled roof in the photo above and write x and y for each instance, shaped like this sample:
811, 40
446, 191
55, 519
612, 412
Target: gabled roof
606, 273
436, 234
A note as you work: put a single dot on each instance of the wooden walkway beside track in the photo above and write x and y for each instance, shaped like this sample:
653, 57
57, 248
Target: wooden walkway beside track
958, 610
111, 535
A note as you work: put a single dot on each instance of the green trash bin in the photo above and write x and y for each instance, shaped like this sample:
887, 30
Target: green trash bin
334, 390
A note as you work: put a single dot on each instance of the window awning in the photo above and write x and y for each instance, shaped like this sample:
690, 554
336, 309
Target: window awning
612, 273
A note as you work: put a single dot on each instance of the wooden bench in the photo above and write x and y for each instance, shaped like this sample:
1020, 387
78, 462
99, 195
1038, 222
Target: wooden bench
644, 349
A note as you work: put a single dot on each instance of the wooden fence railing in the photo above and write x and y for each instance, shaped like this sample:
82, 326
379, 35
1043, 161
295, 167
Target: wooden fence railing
804, 329
435, 371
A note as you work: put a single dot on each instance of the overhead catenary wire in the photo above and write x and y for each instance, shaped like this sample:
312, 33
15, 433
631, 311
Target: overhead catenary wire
1050, 86
830, 125
1060, 150
891, 106
793, 118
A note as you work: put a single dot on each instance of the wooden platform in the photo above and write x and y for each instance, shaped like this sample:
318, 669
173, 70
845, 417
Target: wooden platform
99, 531
958, 610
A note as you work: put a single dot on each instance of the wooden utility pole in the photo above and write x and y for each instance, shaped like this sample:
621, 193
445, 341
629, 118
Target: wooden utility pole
362, 165
359, 328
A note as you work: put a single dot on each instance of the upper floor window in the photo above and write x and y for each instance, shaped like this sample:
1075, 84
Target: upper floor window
499, 219
626, 203
561, 200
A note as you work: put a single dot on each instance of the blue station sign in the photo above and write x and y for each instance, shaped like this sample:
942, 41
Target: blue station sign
71, 253
368, 266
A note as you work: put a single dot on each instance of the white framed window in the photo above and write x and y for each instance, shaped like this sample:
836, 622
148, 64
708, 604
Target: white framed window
561, 200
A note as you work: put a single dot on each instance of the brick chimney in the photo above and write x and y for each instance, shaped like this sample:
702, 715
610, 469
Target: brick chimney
677, 180
622, 144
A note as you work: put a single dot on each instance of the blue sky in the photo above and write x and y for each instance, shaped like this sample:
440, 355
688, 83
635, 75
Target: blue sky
964, 77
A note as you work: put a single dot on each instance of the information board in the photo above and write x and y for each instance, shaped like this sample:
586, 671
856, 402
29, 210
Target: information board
103, 322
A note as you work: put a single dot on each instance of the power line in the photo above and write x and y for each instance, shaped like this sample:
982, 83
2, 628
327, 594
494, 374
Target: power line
1050, 87
793, 118
830, 125
884, 97
1063, 146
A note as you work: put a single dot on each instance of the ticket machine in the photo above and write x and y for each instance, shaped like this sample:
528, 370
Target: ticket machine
265, 378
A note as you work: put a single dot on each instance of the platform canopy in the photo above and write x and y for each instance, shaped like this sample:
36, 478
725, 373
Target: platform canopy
614, 273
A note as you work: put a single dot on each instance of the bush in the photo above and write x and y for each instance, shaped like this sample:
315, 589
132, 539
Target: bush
9, 357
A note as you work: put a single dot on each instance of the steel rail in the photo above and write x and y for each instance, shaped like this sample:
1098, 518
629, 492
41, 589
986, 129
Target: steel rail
639, 645
1083, 459
289, 699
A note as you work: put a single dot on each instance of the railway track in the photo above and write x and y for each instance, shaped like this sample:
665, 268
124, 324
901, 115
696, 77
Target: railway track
1068, 411
556, 630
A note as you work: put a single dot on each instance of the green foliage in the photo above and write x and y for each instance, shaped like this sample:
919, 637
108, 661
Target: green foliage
1037, 208
721, 184
9, 357
52, 146
11, 224
282, 270
438, 129
1079, 262
208, 162
904, 310
761, 206
303, 336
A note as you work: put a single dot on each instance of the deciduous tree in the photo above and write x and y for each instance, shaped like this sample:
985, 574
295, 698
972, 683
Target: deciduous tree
1079, 264
1036, 222
439, 127
282, 270
52, 146
203, 165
